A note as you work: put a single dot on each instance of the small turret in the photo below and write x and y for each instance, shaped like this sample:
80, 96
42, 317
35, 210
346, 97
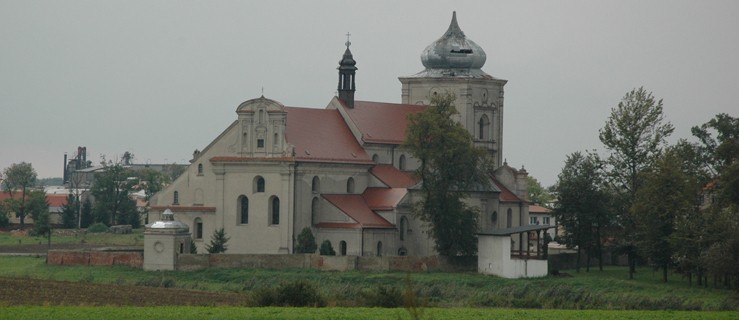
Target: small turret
347, 72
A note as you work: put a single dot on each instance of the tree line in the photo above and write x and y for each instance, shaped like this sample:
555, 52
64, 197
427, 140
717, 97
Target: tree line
671, 206
108, 200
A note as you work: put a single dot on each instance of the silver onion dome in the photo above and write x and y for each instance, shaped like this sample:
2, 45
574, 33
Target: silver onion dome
453, 51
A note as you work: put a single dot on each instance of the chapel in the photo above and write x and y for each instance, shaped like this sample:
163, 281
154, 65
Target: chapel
342, 170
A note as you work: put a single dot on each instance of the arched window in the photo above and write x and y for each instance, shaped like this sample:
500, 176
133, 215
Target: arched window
176, 199
350, 185
316, 185
484, 129
198, 228
403, 227
379, 248
276, 140
401, 163
509, 218
243, 210
342, 248
494, 218
314, 211
375, 158
200, 168
275, 210
259, 184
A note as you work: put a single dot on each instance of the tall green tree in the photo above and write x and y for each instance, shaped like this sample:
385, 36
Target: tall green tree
450, 167
720, 250
111, 192
19, 176
70, 211
38, 209
634, 134
667, 193
583, 205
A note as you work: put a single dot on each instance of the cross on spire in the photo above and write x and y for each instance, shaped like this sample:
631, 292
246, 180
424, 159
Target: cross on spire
348, 43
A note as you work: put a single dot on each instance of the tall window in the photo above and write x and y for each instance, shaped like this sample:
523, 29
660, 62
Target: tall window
509, 218
342, 248
403, 227
198, 228
316, 185
350, 185
379, 248
259, 184
176, 199
401, 162
314, 211
243, 209
200, 168
494, 218
275, 210
484, 129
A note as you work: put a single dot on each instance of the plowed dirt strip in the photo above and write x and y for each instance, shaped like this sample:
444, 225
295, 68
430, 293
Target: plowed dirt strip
15, 291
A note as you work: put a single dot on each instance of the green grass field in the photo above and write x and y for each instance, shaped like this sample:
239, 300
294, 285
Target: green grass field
200, 313
609, 289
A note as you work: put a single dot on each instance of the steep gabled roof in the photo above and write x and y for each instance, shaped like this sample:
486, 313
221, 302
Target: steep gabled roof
354, 206
321, 135
505, 194
392, 177
383, 198
381, 122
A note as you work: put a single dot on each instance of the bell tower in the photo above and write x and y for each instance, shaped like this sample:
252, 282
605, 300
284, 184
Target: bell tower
347, 72
453, 64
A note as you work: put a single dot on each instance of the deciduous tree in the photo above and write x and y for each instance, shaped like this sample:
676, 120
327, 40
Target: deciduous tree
111, 192
19, 176
582, 204
450, 167
634, 134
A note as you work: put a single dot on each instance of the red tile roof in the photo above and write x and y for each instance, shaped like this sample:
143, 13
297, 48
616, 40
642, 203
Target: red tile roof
538, 209
354, 206
381, 122
54, 200
383, 198
333, 225
392, 177
505, 194
321, 135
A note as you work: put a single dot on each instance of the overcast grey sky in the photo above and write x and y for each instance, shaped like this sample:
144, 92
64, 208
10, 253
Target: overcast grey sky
162, 78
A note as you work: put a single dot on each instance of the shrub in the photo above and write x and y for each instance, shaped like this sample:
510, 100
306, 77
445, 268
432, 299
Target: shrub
290, 294
193, 247
306, 242
98, 228
327, 249
217, 242
383, 296
299, 294
4, 220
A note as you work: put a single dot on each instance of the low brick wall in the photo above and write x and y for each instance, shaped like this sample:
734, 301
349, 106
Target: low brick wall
133, 258
189, 262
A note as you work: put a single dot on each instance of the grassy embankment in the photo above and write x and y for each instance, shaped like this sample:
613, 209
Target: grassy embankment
609, 289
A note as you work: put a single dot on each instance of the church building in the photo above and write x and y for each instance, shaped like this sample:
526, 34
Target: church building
342, 170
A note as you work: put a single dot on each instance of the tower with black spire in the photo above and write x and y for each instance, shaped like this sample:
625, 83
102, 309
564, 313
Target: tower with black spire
347, 73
